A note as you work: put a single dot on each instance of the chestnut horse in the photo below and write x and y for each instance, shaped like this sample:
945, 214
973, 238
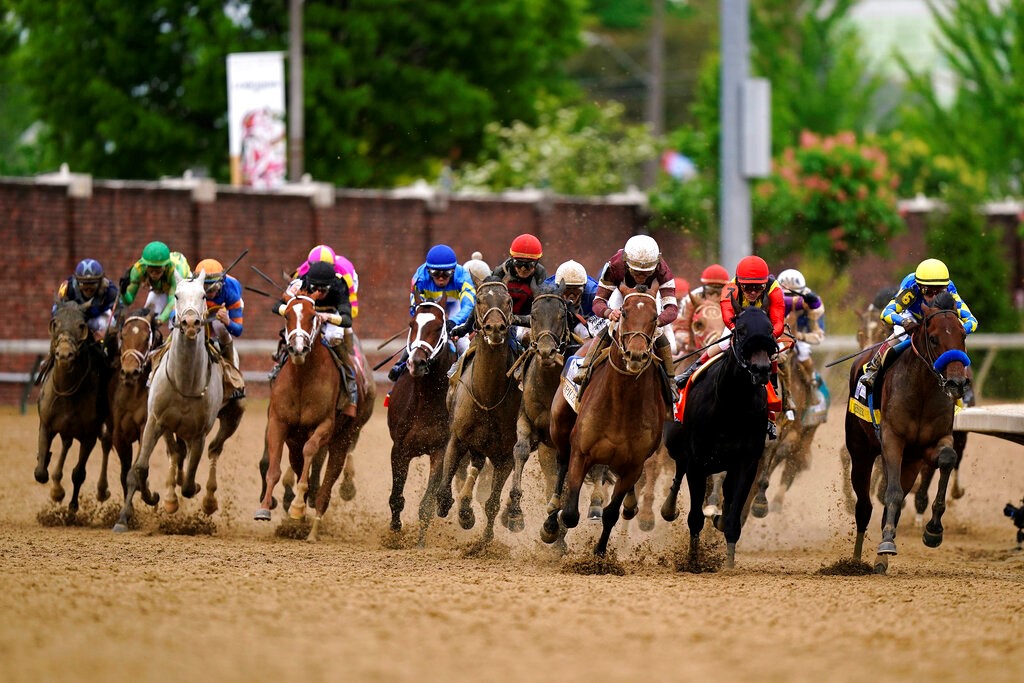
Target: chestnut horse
620, 419
72, 401
916, 397
483, 405
417, 409
303, 413
542, 363
723, 430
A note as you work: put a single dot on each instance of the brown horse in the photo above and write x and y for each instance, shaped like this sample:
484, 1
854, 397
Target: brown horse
72, 400
792, 450
136, 338
620, 419
483, 405
417, 410
542, 363
916, 396
303, 413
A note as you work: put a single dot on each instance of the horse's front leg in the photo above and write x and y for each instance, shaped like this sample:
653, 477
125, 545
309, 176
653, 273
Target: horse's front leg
652, 468
466, 517
43, 453
189, 487
521, 453
502, 470
578, 468
106, 443
737, 487
610, 514
316, 442
138, 475
274, 448
892, 463
551, 530
428, 504
452, 459
945, 460
78, 474
57, 473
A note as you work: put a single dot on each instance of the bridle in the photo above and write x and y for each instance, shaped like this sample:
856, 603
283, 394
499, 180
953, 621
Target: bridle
937, 364
561, 340
623, 338
290, 335
506, 316
432, 350
140, 356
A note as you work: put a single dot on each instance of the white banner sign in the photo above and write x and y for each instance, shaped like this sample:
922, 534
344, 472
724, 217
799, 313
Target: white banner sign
257, 138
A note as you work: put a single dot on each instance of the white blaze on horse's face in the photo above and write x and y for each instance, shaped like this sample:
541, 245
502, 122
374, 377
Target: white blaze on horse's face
190, 305
298, 339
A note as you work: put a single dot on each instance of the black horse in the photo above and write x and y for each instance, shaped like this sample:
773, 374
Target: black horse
723, 429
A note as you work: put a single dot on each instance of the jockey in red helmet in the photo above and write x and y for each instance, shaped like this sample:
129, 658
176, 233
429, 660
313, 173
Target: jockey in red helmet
713, 279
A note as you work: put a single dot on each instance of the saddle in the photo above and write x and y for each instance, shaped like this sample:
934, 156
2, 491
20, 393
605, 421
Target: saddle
699, 372
868, 408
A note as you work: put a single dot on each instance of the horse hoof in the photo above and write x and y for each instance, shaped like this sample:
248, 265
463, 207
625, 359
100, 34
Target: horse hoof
669, 516
594, 514
102, 495
549, 531
261, 515
170, 506
629, 513
710, 511
210, 506
42, 476
646, 523
887, 548
759, 510
719, 522
570, 519
120, 528
347, 490
930, 538
515, 523
273, 503
881, 564
466, 517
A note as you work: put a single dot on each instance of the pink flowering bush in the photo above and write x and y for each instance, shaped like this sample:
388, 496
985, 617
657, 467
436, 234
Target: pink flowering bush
830, 197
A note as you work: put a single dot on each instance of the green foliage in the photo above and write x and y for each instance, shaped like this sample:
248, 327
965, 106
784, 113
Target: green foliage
982, 42
924, 172
584, 150
138, 90
830, 197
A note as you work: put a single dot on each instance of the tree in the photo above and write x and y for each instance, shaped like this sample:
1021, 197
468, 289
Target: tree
138, 90
582, 150
983, 44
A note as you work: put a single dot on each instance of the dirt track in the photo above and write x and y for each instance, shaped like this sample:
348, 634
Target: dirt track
84, 604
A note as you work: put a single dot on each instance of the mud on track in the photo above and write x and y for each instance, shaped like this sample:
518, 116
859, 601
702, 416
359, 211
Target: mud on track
84, 604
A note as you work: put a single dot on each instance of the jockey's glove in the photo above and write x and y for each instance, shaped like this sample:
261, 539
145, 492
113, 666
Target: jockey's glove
344, 320
449, 326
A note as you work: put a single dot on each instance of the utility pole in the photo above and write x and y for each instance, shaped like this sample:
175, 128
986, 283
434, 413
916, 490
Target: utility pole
296, 120
655, 82
735, 190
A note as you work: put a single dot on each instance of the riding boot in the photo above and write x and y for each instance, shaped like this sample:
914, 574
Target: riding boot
399, 367
586, 367
279, 357
664, 350
871, 371
44, 368
682, 379
349, 397
233, 379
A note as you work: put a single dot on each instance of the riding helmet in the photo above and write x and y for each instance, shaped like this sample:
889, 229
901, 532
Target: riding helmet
752, 270
156, 254
642, 253
88, 270
213, 268
441, 257
714, 275
321, 274
526, 246
573, 274
792, 279
931, 272
321, 252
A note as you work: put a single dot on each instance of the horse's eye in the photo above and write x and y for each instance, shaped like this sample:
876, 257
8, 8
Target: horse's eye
933, 340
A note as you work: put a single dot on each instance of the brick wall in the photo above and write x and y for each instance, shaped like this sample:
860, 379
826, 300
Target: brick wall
45, 233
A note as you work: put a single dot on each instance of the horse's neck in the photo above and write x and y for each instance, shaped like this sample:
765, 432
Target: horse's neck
188, 363
490, 364
918, 383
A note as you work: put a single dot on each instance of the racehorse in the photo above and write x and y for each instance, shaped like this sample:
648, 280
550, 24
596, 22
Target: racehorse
136, 337
483, 405
417, 408
792, 450
303, 413
542, 363
916, 397
72, 401
723, 429
186, 397
620, 419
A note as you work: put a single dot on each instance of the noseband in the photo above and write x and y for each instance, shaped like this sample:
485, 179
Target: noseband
299, 332
139, 356
559, 341
506, 316
432, 350
622, 338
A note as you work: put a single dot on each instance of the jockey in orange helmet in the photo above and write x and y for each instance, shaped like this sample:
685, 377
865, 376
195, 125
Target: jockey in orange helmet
712, 279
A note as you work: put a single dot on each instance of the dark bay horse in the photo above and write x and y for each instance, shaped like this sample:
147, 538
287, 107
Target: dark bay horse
916, 399
723, 430
186, 398
542, 369
418, 411
303, 415
137, 336
483, 405
620, 419
72, 401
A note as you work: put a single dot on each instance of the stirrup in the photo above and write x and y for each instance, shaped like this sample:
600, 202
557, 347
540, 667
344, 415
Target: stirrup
773, 431
868, 379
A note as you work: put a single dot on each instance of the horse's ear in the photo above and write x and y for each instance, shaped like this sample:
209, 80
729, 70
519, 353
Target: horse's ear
443, 301
83, 331
53, 326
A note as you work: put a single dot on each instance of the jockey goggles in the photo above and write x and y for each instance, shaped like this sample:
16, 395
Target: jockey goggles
441, 273
753, 287
932, 290
524, 263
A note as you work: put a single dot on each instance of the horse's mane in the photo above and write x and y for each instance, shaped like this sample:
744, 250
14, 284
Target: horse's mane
944, 300
643, 289
68, 311
493, 278
754, 327
549, 288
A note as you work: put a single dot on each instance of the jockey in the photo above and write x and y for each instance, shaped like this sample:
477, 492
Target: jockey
752, 286
94, 293
329, 292
809, 310
441, 278
522, 272
904, 310
712, 280
160, 269
478, 268
580, 290
224, 300
639, 262
342, 266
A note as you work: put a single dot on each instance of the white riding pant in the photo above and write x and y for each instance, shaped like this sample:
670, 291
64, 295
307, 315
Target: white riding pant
156, 301
98, 325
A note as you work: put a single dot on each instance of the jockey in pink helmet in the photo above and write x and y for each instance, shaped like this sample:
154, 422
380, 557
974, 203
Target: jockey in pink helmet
342, 266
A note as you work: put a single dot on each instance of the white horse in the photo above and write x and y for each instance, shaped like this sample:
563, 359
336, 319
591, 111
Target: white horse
186, 396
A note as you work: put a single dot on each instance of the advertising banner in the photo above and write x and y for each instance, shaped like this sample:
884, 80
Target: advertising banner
257, 136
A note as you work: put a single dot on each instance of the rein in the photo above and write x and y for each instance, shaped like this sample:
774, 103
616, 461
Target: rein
432, 350
937, 364
506, 317
135, 353
299, 332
